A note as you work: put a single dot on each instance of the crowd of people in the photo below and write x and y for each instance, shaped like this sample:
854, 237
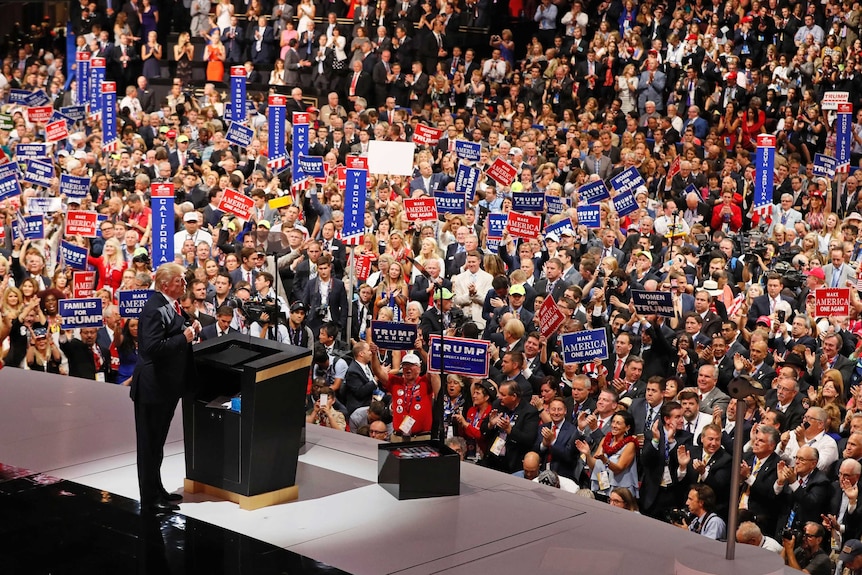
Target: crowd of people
678, 92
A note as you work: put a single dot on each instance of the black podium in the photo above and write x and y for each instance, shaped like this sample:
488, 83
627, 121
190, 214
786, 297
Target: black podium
248, 456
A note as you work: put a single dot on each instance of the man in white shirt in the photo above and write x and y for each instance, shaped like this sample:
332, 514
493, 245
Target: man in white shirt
470, 287
814, 435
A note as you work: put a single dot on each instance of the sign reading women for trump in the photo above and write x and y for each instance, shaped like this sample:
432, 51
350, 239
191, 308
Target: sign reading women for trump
132, 301
426, 135
466, 179
393, 335
460, 356
81, 312
584, 346
627, 181
653, 302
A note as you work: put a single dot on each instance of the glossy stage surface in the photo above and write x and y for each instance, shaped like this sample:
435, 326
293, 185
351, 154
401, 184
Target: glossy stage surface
73, 509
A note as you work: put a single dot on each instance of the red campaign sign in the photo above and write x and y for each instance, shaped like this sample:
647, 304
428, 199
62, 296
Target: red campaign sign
300, 118
420, 209
356, 162
238, 71
327, 167
426, 135
81, 223
39, 114
501, 172
277, 100
523, 225
363, 267
341, 177
109, 87
550, 317
56, 131
162, 190
83, 284
831, 301
236, 203
766, 140
845, 108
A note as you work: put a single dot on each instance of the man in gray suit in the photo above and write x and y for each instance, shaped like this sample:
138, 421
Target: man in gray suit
597, 163
651, 87
838, 273
710, 396
293, 64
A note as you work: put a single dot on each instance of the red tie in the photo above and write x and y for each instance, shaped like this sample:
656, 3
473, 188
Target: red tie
618, 369
353, 84
178, 309
97, 357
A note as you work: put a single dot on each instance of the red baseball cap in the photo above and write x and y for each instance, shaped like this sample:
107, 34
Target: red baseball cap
171, 134
816, 272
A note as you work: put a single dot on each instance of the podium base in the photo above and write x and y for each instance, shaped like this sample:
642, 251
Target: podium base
249, 503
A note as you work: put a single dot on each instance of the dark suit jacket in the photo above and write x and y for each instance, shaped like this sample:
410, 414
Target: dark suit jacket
518, 442
561, 456
793, 414
165, 369
238, 275
81, 361
718, 476
808, 502
358, 388
760, 306
541, 288
762, 500
337, 302
653, 463
420, 285
852, 521
638, 409
211, 332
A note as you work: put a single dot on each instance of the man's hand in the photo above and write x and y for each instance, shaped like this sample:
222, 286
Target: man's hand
189, 332
683, 456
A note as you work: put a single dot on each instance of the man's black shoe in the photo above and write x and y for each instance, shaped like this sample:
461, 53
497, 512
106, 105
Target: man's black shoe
172, 497
160, 507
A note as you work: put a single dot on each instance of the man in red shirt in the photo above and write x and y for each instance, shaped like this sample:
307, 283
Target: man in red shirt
412, 396
139, 217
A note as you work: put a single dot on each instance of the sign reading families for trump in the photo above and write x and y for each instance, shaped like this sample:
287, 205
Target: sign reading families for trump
594, 192
502, 172
73, 256
81, 312
132, 301
528, 201
550, 317
468, 150
393, 335
627, 181
83, 284
426, 135
236, 203
239, 135
39, 173
80, 223
74, 186
589, 216
584, 346
461, 356
451, 203
831, 302
420, 209
653, 302
523, 226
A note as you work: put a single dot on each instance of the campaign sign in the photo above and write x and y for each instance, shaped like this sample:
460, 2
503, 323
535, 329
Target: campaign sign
843, 136
43, 206
299, 144
6, 122
501, 172
73, 256
594, 192
312, 166
34, 227
81, 312
31, 151
9, 185
97, 76
493, 245
560, 226
466, 179
83, 284
56, 131
109, 116
356, 162
363, 267
420, 209
461, 356
393, 335
831, 302
74, 186
523, 226
57, 116
496, 225
39, 114
584, 346
589, 216
355, 199
653, 302
468, 150
426, 135
132, 301
627, 181
37, 98
825, 165
76, 113
162, 204
38, 173
451, 202
556, 204
236, 203
276, 121
81, 223
239, 135
550, 317
528, 201
625, 203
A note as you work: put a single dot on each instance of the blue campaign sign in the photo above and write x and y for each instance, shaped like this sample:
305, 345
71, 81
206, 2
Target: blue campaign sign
76, 113
18, 96
653, 302
31, 151
355, 200
132, 301
34, 227
556, 204
585, 346
825, 165
496, 225
627, 181
9, 185
237, 100
764, 170
690, 189
461, 356
74, 186
81, 312
528, 201
450, 202
625, 203
73, 256
55, 115
466, 179
312, 166
594, 192
39, 173
493, 244
589, 216
558, 227
29, 98
239, 135
393, 335
43, 206
469, 151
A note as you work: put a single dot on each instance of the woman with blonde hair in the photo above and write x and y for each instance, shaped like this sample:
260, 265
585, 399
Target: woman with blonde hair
13, 302
429, 251
110, 265
392, 291
830, 392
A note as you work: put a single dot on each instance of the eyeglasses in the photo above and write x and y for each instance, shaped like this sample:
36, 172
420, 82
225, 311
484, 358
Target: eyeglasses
809, 536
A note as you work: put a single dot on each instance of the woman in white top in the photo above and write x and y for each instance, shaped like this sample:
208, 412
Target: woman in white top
224, 10
306, 11
627, 86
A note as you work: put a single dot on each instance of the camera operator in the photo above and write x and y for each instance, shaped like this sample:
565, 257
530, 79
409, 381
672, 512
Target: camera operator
810, 555
618, 290
704, 521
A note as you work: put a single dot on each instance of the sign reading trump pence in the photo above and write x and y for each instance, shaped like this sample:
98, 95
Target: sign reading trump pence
831, 301
461, 356
584, 346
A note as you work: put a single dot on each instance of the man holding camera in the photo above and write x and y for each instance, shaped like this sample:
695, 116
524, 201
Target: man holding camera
810, 555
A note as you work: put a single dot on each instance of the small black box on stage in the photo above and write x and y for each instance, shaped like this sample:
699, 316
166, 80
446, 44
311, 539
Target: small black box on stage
418, 469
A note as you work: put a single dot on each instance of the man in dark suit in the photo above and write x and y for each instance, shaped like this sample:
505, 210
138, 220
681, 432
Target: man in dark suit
359, 382
759, 472
630, 384
380, 77
805, 488
262, 43
831, 358
553, 281
785, 398
224, 315
165, 372
87, 359
659, 460
707, 463
839, 506
247, 271
359, 84
419, 82
765, 304
146, 96
645, 410
555, 442
513, 421
756, 366
232, 38
425, 288
334, 308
